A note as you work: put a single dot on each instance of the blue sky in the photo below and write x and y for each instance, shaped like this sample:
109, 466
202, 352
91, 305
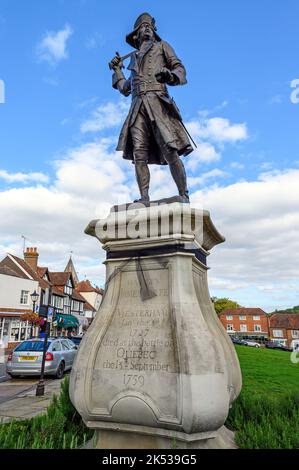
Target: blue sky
61, 117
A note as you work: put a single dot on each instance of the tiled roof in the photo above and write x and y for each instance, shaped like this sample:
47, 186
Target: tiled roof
77, 296
9, 272
289, 321
41, 271
99, 290
10, 263
243, 311
59, 279
87, 306
43, 284
58, 291
85, 286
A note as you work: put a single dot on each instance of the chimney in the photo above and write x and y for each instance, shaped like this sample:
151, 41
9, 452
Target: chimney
31, 258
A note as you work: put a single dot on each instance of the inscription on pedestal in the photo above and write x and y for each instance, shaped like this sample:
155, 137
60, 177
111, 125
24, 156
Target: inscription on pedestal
137, 352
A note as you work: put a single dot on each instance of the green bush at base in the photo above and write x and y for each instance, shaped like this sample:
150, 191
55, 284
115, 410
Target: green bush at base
60, 428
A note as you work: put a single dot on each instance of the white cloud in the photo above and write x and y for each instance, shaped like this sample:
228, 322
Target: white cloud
260, 221
106, 116
237, 165
89, 180
218, 130
204, 153
205, 177
211, 134
23, 177
53, 46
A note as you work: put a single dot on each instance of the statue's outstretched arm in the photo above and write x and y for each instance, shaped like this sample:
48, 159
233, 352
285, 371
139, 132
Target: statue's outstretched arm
120, 83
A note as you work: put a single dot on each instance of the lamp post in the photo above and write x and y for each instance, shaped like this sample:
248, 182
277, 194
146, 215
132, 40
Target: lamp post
34, 298
40, 388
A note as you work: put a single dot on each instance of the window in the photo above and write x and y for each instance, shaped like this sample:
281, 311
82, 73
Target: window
230, 328
257, 328
19, 331
24, 297
4, 328
256, 317
81, 306
65, 345
56, 346
243, 328
229, 317
278, 333
242, 317
28, 346
295, 333
58, 302
68, 288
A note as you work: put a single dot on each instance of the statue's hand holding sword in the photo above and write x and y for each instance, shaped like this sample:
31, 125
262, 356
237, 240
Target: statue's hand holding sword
117, 61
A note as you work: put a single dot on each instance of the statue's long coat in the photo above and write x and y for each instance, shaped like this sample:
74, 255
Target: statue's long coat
161, 109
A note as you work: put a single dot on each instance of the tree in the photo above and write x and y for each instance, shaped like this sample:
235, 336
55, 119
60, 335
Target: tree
223, 304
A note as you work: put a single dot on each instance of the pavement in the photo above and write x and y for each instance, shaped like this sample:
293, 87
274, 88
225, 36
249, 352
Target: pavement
18, 400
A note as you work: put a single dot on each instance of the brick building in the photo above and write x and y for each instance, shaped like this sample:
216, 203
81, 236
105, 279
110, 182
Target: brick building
284, 329
247, 323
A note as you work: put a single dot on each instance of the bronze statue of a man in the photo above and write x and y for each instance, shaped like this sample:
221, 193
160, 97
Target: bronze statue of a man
153, 131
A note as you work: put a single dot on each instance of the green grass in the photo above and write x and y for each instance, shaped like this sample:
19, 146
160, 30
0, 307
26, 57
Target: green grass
266, 415
268, 372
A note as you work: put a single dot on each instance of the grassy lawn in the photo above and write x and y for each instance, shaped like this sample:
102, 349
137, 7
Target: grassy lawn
266, 415
268, 371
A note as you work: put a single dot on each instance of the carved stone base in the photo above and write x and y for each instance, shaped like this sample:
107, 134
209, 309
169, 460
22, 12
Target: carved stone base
136, 440
156, 366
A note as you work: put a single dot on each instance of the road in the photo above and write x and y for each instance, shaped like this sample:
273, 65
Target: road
9, 388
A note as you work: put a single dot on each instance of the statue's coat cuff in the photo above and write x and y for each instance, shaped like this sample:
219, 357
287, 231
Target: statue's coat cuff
116, 77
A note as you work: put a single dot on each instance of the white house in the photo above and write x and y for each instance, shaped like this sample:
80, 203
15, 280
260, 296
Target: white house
93, 297
15, 300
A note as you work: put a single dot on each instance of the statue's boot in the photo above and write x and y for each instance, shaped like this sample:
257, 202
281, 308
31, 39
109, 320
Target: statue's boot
178, 173
143, 180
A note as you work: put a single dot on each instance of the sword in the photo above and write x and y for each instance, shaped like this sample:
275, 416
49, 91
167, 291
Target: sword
124, 57
186, 130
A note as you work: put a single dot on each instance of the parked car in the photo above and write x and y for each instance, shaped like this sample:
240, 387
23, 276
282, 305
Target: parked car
26, 358
236, 340
76, 340
252, 344
276, 345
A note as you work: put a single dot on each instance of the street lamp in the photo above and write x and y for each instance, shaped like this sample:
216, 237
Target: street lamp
40, 388
34, 298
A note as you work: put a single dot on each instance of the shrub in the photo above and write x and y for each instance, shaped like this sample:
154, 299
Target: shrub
60, 428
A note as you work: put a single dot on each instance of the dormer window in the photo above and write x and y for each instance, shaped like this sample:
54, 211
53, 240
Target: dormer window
68, 290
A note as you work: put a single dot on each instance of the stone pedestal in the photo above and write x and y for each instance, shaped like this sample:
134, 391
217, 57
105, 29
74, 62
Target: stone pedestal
156, 368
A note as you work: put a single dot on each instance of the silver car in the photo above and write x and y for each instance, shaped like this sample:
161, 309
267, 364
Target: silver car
26, 358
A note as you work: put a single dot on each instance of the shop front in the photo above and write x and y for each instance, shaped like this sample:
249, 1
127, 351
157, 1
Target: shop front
13, 330
64, 324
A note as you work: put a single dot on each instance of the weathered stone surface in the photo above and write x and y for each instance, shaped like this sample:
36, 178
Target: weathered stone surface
156, 361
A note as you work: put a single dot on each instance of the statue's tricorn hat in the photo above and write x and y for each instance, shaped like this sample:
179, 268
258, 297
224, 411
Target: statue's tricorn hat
143, 18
